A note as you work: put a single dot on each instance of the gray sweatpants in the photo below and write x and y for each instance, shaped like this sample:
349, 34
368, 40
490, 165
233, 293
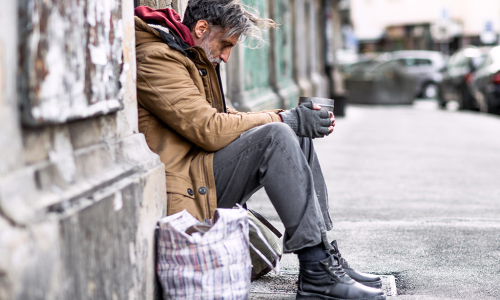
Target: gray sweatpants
274, 157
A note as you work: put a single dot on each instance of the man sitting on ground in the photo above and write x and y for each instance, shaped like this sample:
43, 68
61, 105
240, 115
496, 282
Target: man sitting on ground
217, 157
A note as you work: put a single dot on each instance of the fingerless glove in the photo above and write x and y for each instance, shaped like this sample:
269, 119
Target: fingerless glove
306, 121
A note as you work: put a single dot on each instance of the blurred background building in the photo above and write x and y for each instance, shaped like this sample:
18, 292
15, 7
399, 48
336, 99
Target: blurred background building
445, 25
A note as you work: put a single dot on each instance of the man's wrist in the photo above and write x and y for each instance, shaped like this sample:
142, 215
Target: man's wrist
288, 117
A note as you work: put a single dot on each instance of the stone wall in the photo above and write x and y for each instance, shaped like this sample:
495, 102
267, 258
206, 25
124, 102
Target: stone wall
178, 5
80, 191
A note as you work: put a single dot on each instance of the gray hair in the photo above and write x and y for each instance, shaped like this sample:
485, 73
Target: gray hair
231, 15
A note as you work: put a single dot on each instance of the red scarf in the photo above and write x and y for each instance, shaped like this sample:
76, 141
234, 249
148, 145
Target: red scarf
166, 17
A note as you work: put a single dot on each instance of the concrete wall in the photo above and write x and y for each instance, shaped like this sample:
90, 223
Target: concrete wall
79, 199
178, 5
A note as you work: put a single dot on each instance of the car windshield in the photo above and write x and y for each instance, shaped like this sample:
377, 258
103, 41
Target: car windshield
387, 65
361, 66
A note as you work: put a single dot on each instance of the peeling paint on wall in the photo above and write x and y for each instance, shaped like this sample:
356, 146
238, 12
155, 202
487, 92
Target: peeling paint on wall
71, 59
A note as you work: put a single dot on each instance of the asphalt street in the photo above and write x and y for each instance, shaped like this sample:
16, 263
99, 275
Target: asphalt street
414, 193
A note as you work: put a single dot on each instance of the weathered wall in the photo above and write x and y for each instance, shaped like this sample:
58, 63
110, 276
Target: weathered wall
249, 80
315, 54
281, 43
79, 200
71, 59
10, 139
155, 4
308, 41
178, 5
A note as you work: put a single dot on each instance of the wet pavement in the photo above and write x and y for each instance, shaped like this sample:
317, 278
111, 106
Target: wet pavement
414, 195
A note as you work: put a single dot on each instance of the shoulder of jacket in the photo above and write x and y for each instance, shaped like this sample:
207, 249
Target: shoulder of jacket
159, 50
140, 25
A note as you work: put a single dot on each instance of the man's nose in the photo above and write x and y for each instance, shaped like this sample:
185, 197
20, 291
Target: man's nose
225, 55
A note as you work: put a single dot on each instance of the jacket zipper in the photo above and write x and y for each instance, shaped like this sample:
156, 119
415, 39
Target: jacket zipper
213, 93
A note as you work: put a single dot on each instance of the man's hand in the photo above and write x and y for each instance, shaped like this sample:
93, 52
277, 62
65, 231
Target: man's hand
307, 120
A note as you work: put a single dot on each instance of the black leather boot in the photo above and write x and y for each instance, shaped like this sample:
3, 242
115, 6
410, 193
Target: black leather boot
363, 278
327, 280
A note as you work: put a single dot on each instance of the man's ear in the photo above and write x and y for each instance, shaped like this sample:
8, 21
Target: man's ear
201, 28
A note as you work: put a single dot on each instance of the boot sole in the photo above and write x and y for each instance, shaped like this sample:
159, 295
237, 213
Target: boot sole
310, 296
373, 284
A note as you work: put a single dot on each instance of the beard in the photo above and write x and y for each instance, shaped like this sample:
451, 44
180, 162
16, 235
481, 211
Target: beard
205, 45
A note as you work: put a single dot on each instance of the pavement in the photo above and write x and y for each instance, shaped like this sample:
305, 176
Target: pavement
414, 196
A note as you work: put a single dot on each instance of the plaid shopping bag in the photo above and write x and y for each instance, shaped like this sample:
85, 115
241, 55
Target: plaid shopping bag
204, 265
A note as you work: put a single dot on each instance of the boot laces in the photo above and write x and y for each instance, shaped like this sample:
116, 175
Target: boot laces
335, 252
337, 269
341, 260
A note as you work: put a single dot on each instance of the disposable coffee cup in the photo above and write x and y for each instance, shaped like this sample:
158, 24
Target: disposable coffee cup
325, 103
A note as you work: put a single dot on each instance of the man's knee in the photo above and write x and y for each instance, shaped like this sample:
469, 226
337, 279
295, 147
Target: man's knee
272, 134
279, 131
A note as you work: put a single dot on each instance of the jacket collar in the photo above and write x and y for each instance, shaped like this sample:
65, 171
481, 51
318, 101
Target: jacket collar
171, 38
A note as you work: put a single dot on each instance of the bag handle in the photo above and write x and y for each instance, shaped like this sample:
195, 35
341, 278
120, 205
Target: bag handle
275, 268
265, 222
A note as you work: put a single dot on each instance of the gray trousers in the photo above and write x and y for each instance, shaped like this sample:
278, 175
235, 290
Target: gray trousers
274, 157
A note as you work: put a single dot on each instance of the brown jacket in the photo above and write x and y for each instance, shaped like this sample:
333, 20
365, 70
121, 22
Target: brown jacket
181, 114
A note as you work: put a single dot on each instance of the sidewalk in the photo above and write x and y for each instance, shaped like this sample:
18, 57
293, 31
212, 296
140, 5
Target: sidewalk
414, 193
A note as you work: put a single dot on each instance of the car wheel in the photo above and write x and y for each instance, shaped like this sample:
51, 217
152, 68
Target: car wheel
430, 90
491, 108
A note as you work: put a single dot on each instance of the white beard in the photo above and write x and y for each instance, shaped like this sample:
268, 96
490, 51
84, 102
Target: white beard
205, 45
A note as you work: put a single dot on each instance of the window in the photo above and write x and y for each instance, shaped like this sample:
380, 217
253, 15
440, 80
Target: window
424, 62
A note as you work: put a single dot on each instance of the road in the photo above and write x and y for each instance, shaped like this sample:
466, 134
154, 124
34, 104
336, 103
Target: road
414, 193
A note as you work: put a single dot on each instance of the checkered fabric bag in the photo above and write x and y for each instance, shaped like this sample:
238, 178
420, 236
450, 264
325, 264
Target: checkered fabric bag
204, 265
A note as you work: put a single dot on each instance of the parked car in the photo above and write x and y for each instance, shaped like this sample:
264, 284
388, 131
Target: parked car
425, 67
485, 83
379, 81
360, 65
457, 73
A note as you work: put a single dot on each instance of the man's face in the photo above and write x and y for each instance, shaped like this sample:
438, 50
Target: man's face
217, 47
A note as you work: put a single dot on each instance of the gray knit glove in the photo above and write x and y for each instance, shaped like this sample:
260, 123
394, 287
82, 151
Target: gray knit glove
306, 121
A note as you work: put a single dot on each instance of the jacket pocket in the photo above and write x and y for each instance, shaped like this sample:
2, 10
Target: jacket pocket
181, 195
178, 202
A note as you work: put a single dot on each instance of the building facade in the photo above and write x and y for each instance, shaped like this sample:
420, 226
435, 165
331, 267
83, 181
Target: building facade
384, 25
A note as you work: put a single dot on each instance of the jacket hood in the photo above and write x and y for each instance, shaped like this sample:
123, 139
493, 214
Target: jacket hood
168, 18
